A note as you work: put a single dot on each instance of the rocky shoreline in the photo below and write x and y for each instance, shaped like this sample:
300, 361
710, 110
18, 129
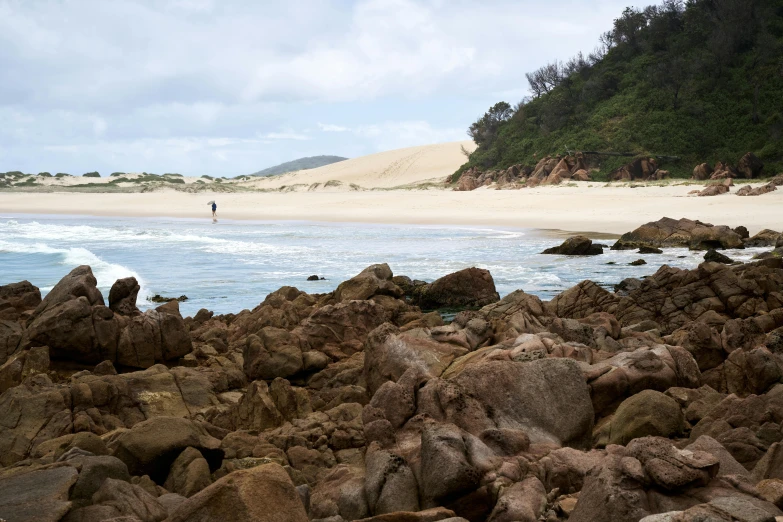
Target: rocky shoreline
661, 401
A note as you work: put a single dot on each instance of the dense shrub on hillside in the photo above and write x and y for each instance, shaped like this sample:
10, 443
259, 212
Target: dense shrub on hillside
91, 175
116, 174
62, 175
44, 175
702, 81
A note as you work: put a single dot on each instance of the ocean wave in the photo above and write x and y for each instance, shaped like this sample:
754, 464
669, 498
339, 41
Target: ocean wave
105, 273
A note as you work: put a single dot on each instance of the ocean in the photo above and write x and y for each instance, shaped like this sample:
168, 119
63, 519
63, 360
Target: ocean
232, 265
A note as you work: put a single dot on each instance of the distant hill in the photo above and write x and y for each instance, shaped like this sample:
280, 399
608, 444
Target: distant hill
312, 162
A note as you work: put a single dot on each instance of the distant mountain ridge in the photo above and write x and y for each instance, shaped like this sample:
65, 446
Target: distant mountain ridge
311, 162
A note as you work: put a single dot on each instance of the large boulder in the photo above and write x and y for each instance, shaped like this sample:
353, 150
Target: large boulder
648, 413
10, 339
275, 352
765, 238
122, 296
547, 399
702, 172
17, 299
150, 447
576, 246
748, 190
37, 496
80, 282
750, 166
667, 232
261, 494
373, 280
468, 288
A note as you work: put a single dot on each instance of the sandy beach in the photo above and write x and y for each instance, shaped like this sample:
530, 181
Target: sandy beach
591, 207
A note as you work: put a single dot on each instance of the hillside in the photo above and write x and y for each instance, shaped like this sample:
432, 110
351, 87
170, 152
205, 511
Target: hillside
311, 162
701, 81
394, 168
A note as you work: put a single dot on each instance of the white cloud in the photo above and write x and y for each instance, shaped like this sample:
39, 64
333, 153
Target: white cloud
326, 127
287, 135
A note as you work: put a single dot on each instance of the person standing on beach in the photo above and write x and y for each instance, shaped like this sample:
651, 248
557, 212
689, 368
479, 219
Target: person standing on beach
214, 210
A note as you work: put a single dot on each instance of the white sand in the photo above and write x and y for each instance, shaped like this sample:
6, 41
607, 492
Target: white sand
587, 207
369, 189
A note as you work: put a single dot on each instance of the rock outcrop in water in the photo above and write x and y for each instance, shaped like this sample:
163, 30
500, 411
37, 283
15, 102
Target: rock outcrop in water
665, 397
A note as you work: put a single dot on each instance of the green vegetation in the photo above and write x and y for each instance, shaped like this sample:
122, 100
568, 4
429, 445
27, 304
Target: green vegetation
29, 182
44, 175
311, 162
207, 177
116, 174
62, 175
700, 80
91, 175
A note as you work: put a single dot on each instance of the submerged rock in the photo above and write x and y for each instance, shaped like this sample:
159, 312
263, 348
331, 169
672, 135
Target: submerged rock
576, 246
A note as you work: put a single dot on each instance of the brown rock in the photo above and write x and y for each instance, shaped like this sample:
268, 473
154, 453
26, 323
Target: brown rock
702, 172
468, 288
668, 232
750, 166
373, 280
122, 296
36, 496
18, 298
189, 473
576, 246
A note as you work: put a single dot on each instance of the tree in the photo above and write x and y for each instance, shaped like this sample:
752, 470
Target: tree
484, 129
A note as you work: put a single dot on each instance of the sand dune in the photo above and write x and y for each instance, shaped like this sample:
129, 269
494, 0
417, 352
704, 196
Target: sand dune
394, 168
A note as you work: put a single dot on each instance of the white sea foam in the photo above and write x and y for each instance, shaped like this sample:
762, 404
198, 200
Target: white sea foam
105, 273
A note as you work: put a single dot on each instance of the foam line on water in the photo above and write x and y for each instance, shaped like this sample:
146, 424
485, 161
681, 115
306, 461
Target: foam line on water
105, 273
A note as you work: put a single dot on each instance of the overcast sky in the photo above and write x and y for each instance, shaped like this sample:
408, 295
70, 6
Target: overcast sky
225, 87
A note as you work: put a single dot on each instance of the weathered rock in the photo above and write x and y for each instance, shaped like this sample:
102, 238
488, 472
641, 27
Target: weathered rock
446, 470
468, 288
390, 484
668, 232
189, 473
714, 190
751, 372
36, 496
648, 413
33, 412
546, 398
750, 166
78, 283
373, 280
273, 353
765, 238
150, 447
10, 339
129, 500
23, 365
260, 494
728, 464
748, 190
122, 296
524, 501
17, 299
93, 472
714, 256
576, 246
702, 172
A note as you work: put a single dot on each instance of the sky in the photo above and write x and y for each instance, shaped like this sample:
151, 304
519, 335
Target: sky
226, 88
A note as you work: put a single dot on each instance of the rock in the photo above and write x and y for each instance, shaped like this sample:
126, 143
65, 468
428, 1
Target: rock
122, 296
639, 169
129, 500
33, 412
10, 339
17, 299
524, 501
57, 447
648, 413
547, 399
750, 166
714, 256
748, 190
150, 447
438, 514
742, 231
446, 470
313, 278
273, 353
78, 283
702, 341
390, 484
772, 491
189, 473
95, 470
36, 496
650, 250
668, 232
468, 288
261, 494
765, 238
751, 372
23, 365
638, 262
714, 190
373, 280
728, 464
702, 172
576, 246
157, 298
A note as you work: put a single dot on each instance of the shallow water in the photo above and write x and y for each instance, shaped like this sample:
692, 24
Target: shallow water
233, 265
